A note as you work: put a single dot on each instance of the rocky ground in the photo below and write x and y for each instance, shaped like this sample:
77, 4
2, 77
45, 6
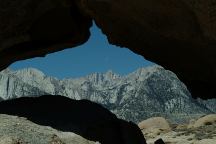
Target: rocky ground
200, 131
18, 130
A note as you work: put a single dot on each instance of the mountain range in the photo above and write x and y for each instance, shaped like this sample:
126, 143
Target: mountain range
146, 92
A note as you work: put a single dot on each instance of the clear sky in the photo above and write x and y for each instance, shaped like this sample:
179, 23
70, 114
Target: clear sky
96, 55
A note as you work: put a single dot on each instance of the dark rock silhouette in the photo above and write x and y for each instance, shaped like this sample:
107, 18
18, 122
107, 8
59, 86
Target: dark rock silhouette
85, 118
180, 35
159, 141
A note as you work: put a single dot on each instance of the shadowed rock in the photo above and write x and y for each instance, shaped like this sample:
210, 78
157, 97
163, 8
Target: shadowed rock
85, 118
180, 35
32, 28
159, 141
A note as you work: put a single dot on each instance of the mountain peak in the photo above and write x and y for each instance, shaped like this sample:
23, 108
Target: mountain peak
30, 72
144, 93
6, 71
109, 72
99, 78
146, 70
110, 75
150, 68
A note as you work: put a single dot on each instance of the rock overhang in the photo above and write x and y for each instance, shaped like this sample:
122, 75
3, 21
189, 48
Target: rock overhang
179, 35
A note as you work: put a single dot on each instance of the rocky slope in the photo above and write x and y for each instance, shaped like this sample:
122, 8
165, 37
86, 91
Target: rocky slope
147, 92
18, 130
187, 133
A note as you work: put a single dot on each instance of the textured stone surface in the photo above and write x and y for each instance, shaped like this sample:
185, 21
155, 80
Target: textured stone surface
205, 134
206, 141
206, 120
154, 126
177, 34
31, 28
155, 122
18, 130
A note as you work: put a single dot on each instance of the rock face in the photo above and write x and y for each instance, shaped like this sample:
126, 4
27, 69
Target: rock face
206, 141
18, 130
155, 122
154, 126
85, 118
145, 93
177, 34
206, 120
179, 134
33, 28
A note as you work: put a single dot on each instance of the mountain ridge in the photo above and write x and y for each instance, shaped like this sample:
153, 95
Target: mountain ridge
146, 92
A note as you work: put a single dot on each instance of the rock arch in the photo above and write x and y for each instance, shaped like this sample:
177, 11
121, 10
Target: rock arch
177, 34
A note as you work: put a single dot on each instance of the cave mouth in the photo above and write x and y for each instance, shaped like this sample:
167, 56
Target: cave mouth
123, 82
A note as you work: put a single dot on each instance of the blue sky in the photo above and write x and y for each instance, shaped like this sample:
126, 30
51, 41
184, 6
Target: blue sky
96, 55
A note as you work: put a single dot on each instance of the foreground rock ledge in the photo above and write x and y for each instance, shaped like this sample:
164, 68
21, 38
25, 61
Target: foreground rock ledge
15, 129
83, 117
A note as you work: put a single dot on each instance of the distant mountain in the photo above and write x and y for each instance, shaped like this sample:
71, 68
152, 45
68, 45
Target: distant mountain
147, 92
